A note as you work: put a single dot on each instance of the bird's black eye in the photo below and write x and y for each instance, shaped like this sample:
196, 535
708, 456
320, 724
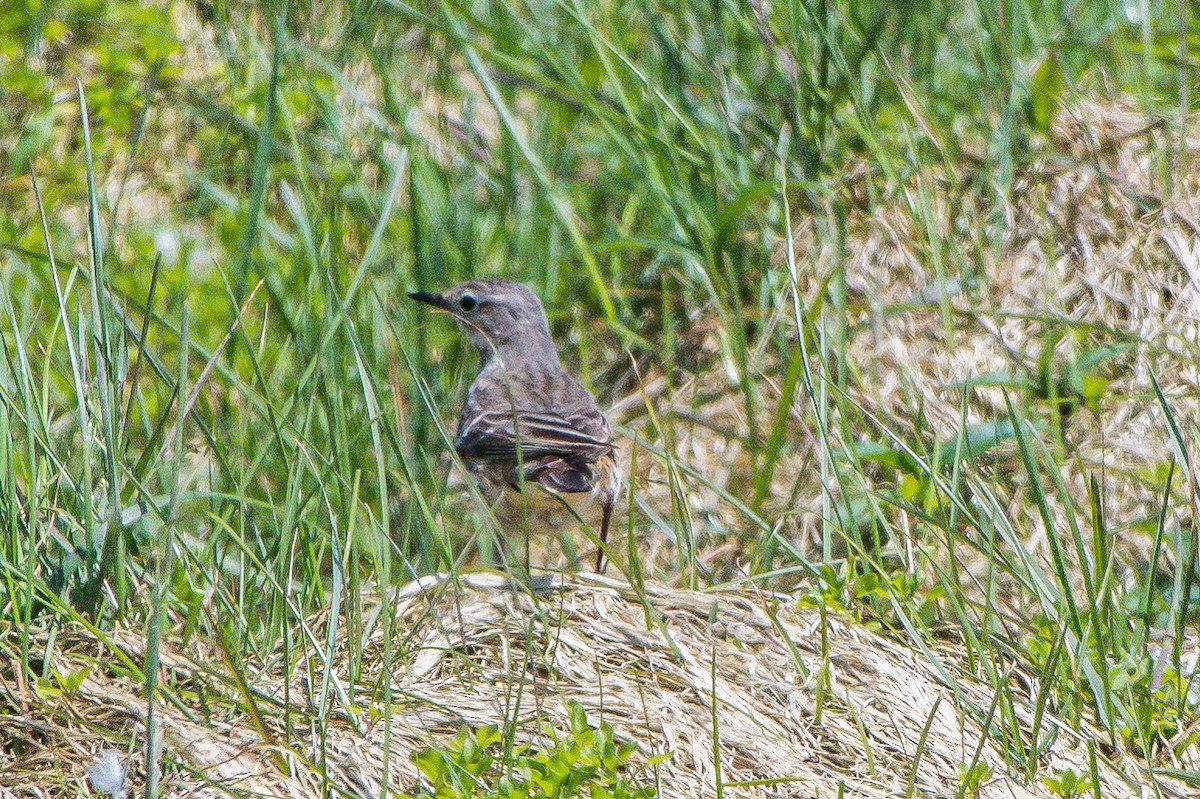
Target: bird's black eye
468, 302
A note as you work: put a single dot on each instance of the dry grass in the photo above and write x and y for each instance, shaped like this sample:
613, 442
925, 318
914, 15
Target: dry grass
802, 700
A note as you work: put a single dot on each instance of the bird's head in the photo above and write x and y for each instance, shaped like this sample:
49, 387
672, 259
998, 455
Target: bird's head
495, 315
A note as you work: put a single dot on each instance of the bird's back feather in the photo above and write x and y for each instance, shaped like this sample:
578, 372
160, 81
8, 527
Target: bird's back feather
509, 423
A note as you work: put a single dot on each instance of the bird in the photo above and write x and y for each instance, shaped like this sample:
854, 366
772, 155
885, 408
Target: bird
540, 449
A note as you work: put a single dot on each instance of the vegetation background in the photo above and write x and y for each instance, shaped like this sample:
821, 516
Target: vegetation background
221, 420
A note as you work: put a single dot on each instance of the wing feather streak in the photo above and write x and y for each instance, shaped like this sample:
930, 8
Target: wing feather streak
496, 434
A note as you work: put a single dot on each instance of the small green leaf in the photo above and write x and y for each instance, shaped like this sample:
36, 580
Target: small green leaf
431, 763
33, 138
727, 218
1094, 388
976, 440
71, 682
911, 487
487, 735
998, 380
876, 452
577, 717
1045, 94
1095, 356
45, 689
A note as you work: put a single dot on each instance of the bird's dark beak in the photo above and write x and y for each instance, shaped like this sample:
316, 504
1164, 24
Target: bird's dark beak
429, 298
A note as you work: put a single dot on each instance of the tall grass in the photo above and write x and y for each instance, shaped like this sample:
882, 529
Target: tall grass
218, 409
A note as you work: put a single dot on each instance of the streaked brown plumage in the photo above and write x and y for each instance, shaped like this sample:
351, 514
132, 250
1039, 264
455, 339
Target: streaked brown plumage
541, 450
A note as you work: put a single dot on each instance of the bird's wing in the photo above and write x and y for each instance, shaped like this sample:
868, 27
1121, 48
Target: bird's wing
500, 434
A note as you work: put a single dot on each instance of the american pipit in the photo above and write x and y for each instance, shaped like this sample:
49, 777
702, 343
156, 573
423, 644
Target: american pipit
540, 449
